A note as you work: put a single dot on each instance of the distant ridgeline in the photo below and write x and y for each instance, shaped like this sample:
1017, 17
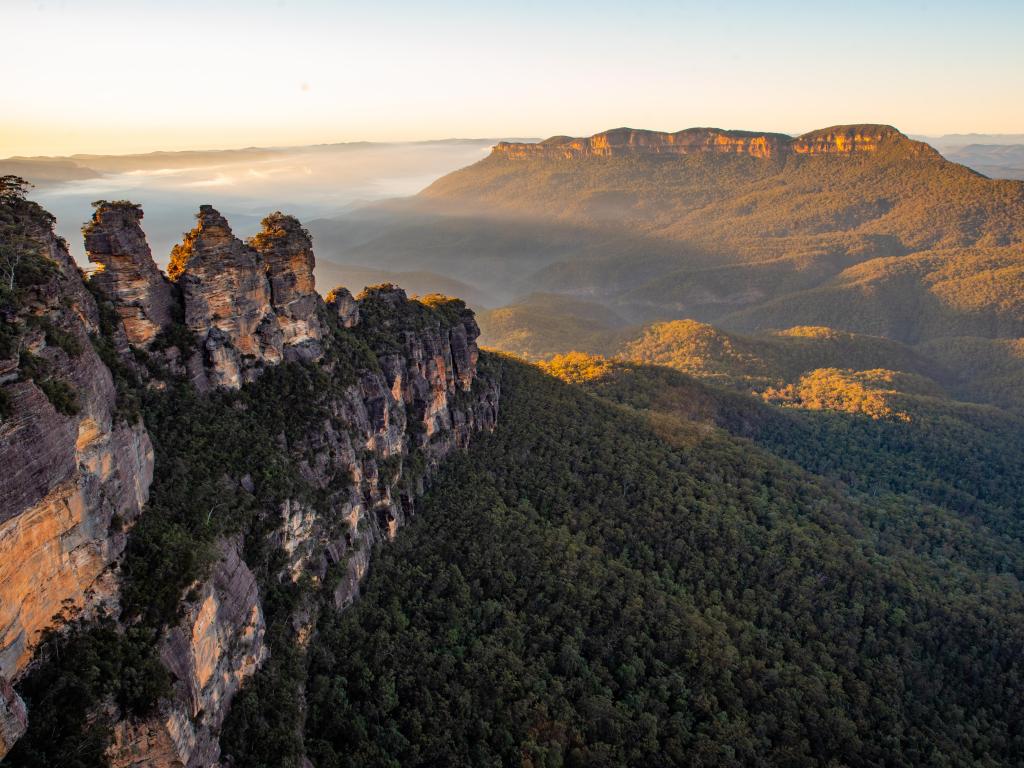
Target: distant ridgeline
846, 139
857, 228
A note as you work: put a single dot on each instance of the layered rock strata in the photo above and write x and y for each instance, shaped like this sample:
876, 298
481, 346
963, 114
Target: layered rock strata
841, 140
389, 431
126, 272
80, 472
250, 305
210, 653
75, 476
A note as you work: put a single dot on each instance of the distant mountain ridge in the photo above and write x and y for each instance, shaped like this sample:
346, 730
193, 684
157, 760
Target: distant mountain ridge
840, 139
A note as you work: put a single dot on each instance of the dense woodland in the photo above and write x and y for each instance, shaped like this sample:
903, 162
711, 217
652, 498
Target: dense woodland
579, 591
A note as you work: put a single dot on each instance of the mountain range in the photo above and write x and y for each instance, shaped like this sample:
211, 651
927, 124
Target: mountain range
753, 497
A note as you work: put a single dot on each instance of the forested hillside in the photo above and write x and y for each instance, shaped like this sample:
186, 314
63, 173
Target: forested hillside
883, 237
581, 589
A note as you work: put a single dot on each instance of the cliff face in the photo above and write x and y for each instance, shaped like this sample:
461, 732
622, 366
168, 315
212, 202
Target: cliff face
74, 475
369, 456
126, 272
841, 140
81, 473
389, 431
250, 305
210, 653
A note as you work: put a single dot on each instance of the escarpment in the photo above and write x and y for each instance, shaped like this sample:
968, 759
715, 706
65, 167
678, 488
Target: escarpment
353, 402
838, 140
75, 474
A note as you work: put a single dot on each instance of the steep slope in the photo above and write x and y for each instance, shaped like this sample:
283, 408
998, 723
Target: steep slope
75, 472
289, 435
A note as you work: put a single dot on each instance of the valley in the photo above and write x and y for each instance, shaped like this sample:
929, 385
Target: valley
715, 460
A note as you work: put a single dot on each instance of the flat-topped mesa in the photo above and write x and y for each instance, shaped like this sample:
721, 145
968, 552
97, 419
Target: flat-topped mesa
622, 142
287, 253
855, 139
126, 272
627, 141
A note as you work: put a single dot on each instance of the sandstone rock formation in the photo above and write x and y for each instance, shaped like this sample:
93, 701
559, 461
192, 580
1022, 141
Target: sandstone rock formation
227, 301
627, 141
852, 139
74, 474
341, 301
126, 272
210, 653
426, 400
287, 253
250, 305
80, 471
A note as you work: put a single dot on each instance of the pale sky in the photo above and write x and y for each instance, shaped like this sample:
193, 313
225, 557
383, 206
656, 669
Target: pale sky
116, 77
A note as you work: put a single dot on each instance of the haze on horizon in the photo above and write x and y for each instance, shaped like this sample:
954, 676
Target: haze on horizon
115, 77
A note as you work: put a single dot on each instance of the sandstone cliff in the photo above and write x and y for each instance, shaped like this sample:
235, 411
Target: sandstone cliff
841, 140
250, 305
126, 272
409, 393
75, 474
365, 457
216, 646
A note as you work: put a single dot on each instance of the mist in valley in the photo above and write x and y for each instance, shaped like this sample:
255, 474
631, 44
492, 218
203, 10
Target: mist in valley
308, 182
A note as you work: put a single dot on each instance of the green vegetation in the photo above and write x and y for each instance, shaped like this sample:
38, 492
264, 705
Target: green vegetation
381, 314
578, 591
83, 667
204, 446
968, 459
894, 244
225, 463
546, 324
25, 270
767, 359
22, 263
60, 393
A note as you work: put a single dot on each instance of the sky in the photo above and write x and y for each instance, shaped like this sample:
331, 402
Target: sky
117, 77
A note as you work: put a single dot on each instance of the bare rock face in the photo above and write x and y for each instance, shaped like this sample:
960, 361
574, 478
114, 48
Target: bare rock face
250, 305
126, 272
74, 474
838, 140
227, 301
287, 253
13, 718
216, 646
857, 139
390, 431
627, 141
342, 303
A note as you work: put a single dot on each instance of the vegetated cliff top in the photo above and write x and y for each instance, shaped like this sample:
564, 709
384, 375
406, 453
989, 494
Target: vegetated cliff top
838, 139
